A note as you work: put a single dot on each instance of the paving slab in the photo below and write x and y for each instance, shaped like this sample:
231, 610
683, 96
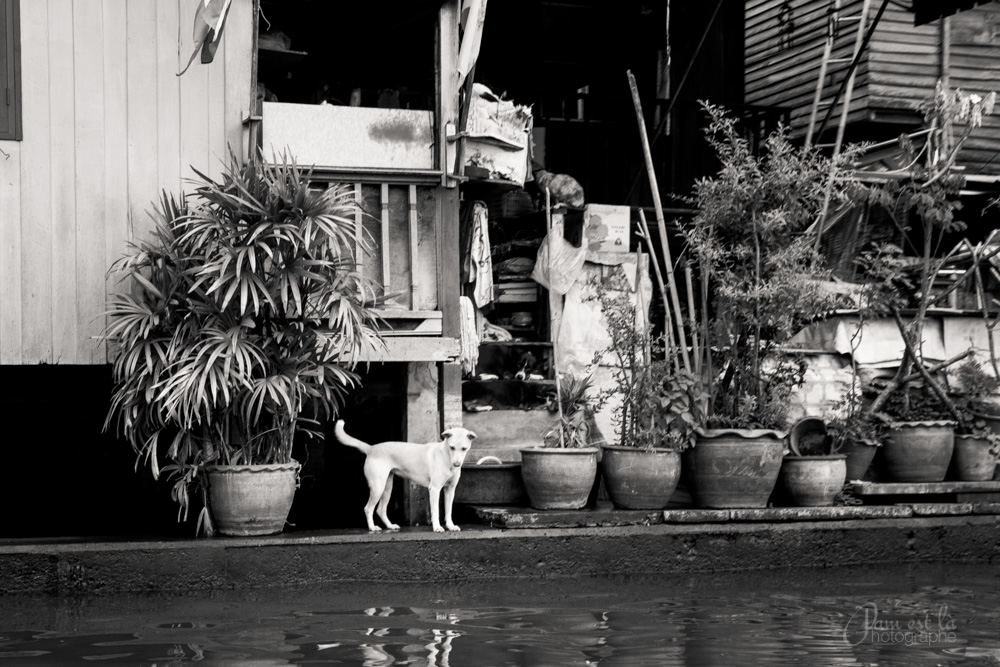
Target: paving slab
835, 513
922, 488
697, 516
986, 508
940, 509
527, 517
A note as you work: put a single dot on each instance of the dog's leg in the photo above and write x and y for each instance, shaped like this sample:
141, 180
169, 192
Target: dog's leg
449, 497
434, 493
377, 480
383, 504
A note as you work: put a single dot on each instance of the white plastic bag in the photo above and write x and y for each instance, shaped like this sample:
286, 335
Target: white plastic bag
566, 262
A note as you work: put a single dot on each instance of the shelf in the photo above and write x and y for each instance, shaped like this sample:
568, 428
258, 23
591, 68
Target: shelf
535, 383
512, 343
281, 56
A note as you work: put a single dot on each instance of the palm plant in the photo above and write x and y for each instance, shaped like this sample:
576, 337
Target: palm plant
243, 323
576, 407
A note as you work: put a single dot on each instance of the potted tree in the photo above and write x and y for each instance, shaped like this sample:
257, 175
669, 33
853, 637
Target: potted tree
924, 196
977, 445
920, 438
856, 433
759, 275
560, 475
240, 326
658, 409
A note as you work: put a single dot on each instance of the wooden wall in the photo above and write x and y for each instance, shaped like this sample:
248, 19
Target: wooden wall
784, 47
974, 67
783, 54
107, 125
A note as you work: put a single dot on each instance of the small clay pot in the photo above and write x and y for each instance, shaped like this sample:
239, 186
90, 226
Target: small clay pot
972, 461
814, 481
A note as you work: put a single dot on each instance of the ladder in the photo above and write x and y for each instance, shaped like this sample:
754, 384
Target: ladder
833, 22
832, 30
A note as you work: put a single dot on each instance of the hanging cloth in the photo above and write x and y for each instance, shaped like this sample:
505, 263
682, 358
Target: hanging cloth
480, 255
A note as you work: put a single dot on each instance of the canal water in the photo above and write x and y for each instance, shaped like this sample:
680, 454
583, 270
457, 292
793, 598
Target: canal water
941, 614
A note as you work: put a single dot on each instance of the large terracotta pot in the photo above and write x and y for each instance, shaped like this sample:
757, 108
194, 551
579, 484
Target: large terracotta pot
859, 459
252, 499
972, 460
918, 451
558, 479
814, 481
640, 479
730, 468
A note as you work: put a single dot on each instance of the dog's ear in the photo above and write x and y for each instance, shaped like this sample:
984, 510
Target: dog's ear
447, 433
472, 436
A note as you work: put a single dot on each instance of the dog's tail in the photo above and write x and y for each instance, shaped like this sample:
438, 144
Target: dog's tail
344, 439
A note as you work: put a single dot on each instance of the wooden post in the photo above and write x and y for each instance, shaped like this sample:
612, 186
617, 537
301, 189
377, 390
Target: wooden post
414, 231
421, 426
358, 225
386, 278
447, 228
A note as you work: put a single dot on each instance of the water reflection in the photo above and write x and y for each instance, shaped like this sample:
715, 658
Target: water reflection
917, 617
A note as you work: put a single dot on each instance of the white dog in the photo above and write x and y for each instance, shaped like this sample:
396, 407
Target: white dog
435, 465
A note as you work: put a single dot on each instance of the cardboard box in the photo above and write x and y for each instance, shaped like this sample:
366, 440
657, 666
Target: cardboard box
498, 137
606, 227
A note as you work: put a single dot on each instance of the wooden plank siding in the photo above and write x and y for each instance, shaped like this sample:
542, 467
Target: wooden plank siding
108, 124
897, 73
974, 67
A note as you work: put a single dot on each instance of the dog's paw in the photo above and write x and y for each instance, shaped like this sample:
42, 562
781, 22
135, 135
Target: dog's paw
453, 528
392, 526
438, 529
375, 529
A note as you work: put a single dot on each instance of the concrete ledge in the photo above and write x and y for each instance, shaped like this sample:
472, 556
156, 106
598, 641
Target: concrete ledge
100, 568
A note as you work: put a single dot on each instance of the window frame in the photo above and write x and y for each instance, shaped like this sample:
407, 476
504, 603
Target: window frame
10, 76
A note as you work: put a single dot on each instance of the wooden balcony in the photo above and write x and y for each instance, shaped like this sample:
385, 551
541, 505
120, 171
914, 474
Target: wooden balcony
388, 157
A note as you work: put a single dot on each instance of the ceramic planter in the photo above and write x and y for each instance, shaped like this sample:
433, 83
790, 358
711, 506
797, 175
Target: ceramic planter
918, 451
814, 481
972, 460
491, 484
640, 479
731, 468
859, 458
252, 499
558, 479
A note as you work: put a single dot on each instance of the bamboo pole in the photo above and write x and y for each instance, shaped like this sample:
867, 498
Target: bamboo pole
695, 343
654, 187
555, 334
667, 317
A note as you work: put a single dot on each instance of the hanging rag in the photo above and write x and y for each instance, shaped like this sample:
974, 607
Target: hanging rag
469, 341
480, 259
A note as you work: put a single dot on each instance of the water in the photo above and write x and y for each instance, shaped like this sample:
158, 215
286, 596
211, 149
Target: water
945, 614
